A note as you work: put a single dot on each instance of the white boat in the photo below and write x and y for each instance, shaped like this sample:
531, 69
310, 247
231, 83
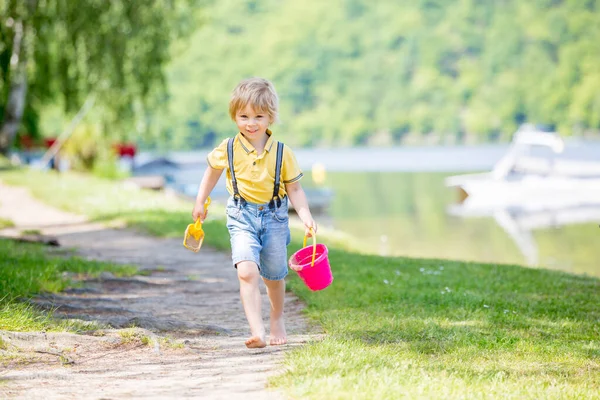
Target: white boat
535, 174
529, 190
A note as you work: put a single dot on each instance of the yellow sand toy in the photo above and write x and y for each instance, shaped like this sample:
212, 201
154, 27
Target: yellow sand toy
194, 234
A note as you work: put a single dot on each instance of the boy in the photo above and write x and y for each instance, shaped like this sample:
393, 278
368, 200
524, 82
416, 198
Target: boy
261, 175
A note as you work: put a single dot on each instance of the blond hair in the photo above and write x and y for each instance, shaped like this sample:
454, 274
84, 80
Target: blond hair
259, 93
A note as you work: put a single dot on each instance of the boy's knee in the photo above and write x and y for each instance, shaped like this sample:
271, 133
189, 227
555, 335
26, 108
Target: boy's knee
247, 271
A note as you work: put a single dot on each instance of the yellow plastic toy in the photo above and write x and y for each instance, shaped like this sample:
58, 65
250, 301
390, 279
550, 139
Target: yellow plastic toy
194, 234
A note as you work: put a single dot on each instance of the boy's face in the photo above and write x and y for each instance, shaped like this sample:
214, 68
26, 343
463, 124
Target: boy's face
252, 124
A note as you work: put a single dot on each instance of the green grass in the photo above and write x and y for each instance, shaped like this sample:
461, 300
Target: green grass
99, 199
6, 223
406, 328
399, 327
5, 163
132, 335
26, 269
31, 232
105, 200
21, 317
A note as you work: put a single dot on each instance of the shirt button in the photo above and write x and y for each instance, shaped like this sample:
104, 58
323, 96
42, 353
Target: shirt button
254, 163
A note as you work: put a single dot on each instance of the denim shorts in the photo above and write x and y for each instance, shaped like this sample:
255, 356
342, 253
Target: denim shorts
261, 235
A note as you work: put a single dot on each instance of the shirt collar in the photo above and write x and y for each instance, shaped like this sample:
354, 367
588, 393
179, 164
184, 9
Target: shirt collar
247, 146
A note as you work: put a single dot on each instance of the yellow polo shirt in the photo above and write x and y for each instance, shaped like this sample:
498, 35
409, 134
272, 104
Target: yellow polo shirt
255, 174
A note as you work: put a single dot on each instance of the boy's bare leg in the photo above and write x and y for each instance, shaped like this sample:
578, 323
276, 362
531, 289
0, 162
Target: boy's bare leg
250, 294
276, 292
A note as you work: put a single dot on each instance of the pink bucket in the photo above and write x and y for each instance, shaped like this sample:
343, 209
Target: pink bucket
312, 265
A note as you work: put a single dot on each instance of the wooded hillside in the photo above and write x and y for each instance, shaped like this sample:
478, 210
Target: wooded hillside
357, 71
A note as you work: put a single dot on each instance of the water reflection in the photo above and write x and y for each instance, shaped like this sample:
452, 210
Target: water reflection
520, 223
415, 215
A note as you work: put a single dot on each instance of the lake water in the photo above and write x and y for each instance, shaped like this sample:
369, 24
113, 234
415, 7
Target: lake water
407, 214
395, 202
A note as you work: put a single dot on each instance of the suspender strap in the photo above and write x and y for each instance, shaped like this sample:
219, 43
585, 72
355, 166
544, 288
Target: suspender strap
236, 193
278, 162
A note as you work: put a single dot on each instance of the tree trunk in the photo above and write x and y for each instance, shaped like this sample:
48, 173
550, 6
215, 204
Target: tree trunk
16, 96
17, 75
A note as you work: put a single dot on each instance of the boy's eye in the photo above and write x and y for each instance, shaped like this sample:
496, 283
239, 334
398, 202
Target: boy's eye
243, 116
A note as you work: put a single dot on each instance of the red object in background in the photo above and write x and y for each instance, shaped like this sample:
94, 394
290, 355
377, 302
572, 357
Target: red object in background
48, 142
27, 142
126, 149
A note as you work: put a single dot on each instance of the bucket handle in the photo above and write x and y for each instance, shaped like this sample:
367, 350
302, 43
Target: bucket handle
198, 224
314, 237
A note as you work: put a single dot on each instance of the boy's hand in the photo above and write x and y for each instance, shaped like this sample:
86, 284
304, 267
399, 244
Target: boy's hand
198, 212
307, 228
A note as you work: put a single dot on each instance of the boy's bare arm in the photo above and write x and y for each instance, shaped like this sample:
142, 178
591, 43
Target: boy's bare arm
298, 198
209, 180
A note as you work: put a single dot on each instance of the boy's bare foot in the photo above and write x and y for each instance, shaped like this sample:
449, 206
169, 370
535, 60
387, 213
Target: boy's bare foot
278, 335
256, 342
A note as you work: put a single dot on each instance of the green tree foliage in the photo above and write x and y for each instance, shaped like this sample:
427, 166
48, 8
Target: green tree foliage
114, 50
351, 71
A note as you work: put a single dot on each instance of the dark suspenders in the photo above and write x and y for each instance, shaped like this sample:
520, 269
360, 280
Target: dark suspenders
275, 199
278, 161
236, 194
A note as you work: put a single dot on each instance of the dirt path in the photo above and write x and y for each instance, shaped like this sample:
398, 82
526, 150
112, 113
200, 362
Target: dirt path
190, 298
